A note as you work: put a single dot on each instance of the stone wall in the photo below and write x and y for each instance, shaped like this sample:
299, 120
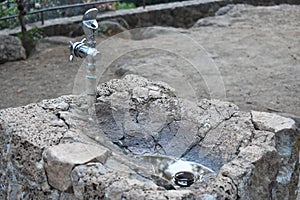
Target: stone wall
178, 14
266, 2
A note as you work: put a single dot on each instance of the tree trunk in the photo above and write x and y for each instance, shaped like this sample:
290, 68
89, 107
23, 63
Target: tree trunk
21, 8
27, 43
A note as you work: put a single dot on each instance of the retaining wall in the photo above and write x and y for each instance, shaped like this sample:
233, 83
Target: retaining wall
178, 14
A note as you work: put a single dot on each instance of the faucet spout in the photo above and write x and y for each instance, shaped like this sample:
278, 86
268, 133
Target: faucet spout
90, 26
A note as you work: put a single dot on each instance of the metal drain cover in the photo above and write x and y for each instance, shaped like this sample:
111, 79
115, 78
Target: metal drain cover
184, 178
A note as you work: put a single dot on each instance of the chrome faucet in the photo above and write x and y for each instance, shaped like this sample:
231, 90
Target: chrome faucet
88, 51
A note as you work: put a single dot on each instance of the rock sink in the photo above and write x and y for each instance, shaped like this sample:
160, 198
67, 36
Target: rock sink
54, 150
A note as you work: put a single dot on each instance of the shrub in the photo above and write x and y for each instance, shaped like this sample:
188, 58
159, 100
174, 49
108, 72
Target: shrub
124, 5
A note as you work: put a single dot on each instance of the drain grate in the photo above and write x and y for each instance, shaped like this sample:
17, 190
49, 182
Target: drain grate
184, 179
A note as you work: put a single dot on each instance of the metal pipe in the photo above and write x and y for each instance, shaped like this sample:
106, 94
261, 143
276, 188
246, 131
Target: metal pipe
42, 17
90, 27
79, 49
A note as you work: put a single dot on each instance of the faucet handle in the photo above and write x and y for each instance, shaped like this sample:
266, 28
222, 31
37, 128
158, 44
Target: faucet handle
83, 40
71, 58
77, 49
71, 47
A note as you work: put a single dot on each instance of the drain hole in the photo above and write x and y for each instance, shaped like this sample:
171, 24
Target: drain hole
184, 179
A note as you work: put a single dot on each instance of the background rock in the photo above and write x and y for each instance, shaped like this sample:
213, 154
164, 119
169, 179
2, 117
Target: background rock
113, 26
48, 43
11, 49
154, 31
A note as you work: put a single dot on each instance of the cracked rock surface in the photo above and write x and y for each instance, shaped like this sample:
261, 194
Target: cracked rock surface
55, 150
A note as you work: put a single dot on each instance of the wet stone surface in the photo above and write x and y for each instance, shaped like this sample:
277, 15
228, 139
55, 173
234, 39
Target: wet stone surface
142, 134
168, 125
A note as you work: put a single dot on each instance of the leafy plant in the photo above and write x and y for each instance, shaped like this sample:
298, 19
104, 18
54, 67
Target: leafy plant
120, 5
6, 10
10, 7
34, 34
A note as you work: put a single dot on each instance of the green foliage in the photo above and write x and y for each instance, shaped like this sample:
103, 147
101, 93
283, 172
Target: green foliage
8, 11
10, 7
120, 5
102, 28
33, 34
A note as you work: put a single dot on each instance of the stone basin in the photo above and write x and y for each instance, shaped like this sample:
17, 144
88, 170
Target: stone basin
139, 131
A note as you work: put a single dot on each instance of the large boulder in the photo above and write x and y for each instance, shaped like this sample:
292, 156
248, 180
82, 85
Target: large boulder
113, 26
11, 49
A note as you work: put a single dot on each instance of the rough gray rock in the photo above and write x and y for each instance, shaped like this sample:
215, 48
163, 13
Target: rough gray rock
248, 151
148, 118
113, 26
254, 169
11, 49
269, 122
27, 131
61, 159
154, 31
49, 42
218, 21
223, 10
286, 138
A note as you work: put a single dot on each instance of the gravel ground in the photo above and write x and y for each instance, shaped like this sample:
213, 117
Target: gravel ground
255, 51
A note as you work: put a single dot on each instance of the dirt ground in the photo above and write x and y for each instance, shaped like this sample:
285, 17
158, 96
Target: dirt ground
250, 56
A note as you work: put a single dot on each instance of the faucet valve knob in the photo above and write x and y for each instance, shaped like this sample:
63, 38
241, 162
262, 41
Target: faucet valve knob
78, 49
71, 47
